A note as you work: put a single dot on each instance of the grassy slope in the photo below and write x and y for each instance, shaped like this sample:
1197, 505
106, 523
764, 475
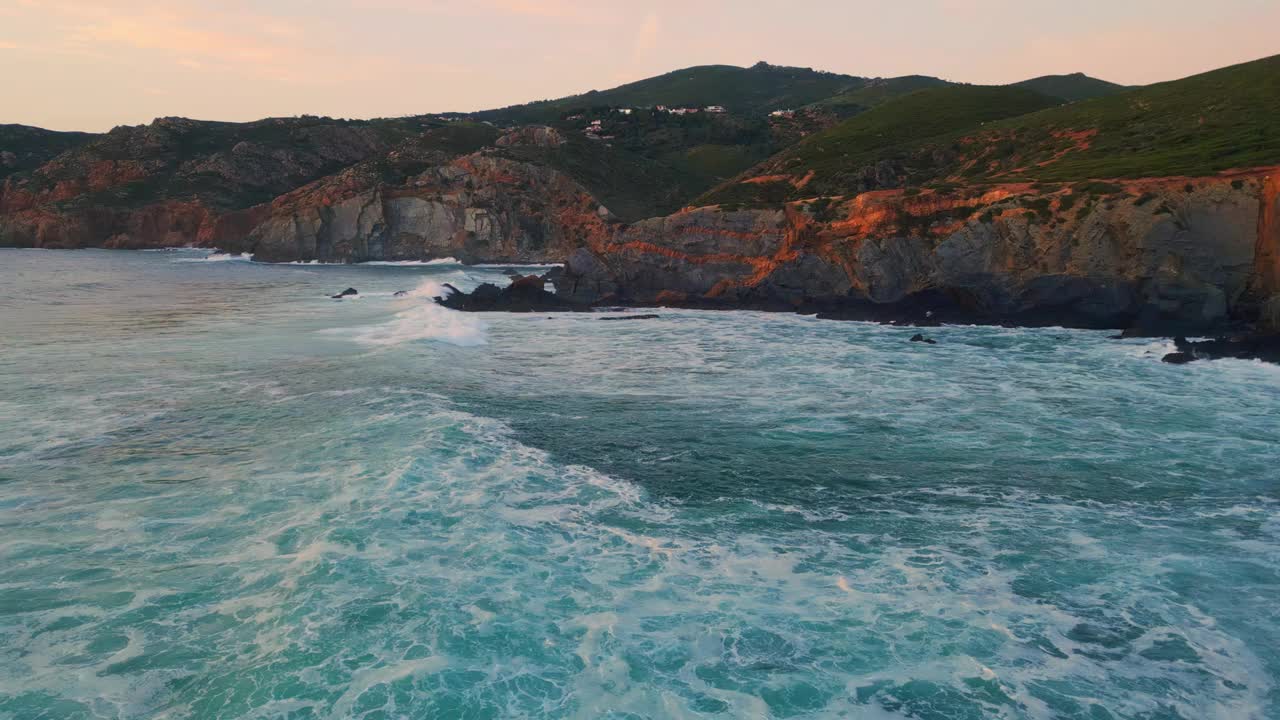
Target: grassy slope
1071, 88
875, 92
836, 156
1196, 126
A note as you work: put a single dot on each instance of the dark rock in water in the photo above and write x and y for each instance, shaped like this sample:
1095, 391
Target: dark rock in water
1248, 347
525, 294
1116, 337
346, 293
920, 338
400, 293
632, 317
927, 308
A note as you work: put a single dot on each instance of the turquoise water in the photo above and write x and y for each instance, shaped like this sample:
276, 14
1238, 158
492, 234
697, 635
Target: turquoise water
224, 495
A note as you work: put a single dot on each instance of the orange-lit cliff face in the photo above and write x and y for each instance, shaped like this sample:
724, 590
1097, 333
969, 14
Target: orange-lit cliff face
1266, 266
1178, 249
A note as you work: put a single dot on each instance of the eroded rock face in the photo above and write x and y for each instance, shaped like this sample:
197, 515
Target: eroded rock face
1166, 256
533, 135
477, 208
181, 182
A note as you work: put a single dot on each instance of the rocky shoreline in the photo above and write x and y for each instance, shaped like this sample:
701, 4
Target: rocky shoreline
528, 293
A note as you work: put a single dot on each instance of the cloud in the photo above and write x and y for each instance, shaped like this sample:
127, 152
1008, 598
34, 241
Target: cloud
647, 34
571, 12
8, 45
172, 32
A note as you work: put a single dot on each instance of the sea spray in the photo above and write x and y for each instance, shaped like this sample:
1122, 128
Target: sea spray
419, 318
220, 257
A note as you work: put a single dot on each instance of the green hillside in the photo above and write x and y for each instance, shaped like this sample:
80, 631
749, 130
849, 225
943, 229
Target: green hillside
1195, 126
875, 92
838, 158
1071, 88
758, 89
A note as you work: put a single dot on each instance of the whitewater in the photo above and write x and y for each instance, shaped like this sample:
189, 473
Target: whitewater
224, 494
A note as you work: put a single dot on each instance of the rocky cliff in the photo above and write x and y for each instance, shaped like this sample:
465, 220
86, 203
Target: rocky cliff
307, 189
178, 181
477, 208
1164, 255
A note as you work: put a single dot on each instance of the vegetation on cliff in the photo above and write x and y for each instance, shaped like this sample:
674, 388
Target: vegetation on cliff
970, 135
23, 147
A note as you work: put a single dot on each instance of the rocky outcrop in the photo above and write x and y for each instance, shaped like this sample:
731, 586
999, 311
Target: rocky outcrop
526, 293
178, 181
477, 208
533, 136
165, 224
1248, 347
306, 189
1167, 256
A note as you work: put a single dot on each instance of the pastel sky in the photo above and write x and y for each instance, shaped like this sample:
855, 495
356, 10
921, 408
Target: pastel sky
94, 64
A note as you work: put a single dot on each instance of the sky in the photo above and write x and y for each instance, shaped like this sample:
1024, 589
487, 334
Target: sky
94, 64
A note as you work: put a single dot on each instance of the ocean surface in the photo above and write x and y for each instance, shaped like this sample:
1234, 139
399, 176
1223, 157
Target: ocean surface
225, 495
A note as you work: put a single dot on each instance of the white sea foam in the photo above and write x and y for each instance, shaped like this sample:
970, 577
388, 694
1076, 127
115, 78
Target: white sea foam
429, 290
221, 257
517, 265
413, 263
423, 319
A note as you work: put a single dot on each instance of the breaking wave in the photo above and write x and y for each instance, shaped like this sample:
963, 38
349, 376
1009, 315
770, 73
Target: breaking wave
419, 318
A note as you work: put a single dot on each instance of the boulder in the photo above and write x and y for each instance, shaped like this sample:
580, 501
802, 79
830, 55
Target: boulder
524, 294
1246, 347
632, 317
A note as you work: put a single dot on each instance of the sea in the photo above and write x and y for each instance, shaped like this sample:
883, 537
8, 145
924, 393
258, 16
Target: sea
224, 494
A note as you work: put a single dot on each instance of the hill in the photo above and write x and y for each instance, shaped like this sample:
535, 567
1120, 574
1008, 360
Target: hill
647, 162
24, 148
755, 90
1071, 88
875, 92
221, 164
843, 159
1196, 126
